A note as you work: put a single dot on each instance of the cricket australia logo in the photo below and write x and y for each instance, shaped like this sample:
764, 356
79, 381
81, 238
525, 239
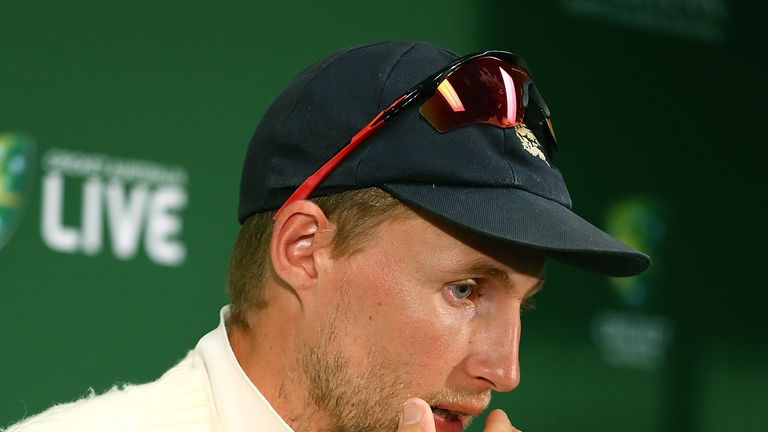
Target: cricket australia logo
16, 153
529, 142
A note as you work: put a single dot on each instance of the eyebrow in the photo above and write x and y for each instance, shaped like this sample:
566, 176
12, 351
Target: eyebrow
488, 270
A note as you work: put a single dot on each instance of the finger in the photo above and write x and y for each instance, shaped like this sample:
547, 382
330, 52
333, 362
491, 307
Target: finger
497, 421
416, 417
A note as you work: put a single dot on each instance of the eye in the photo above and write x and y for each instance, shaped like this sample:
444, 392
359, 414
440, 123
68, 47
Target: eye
462, 290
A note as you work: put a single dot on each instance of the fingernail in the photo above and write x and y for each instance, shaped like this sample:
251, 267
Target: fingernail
412, 412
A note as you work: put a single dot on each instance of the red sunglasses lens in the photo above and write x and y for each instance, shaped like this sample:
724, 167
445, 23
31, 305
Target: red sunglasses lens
484, 90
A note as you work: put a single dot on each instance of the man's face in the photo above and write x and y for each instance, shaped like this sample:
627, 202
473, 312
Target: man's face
418, 313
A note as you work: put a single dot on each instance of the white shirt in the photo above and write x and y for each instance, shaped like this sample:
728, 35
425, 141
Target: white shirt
206, 392
239, 404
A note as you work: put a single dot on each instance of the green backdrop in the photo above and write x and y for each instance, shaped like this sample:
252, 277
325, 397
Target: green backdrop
122, 131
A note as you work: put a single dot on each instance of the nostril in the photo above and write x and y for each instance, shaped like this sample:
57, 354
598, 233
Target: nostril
487, 381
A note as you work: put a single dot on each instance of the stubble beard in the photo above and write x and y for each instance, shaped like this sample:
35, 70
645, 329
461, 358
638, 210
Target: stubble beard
369, 400
362, 402
366, 400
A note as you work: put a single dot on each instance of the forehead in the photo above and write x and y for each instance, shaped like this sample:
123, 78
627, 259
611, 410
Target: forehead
419, 236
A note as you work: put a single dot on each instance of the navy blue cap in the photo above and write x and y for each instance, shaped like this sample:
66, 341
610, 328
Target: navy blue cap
493, 181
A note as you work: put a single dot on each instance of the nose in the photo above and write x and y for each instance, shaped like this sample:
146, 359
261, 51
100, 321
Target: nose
493, 361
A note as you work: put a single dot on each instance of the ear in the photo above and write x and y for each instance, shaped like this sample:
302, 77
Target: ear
301, 243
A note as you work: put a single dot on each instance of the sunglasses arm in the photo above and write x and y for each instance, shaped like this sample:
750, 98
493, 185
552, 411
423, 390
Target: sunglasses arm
311, 182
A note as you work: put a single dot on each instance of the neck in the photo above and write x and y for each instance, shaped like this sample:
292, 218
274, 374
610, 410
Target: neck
268, 349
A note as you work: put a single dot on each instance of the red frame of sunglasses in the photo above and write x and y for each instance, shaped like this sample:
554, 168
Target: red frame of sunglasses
536, 115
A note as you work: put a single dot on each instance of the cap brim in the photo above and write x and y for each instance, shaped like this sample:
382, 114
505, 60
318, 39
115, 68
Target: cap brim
524, 218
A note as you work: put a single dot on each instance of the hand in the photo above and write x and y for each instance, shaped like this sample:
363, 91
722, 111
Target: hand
417, 417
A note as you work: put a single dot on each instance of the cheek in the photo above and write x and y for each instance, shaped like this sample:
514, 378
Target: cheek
394, 313
416, 328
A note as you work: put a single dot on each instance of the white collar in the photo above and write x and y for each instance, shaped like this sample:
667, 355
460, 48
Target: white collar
239, 404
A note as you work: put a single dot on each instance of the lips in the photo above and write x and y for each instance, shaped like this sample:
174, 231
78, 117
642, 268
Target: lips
447, 421
450, 415
452, 420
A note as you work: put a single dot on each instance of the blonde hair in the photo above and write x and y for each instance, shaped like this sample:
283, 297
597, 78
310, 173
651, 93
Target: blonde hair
355, 216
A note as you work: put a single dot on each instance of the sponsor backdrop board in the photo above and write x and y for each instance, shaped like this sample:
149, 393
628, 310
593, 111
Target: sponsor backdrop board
123, 127
657, 106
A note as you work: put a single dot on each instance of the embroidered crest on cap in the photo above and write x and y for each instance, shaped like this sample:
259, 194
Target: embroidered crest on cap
529, 142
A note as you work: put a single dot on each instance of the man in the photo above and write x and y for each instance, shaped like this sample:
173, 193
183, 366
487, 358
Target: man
377, 286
